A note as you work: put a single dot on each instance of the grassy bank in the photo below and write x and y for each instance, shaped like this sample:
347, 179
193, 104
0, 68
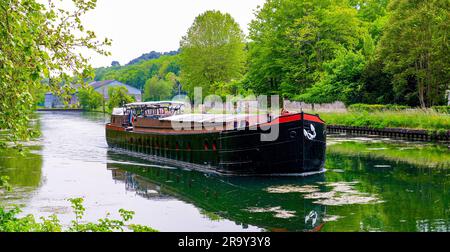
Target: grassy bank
407, 119
423, 155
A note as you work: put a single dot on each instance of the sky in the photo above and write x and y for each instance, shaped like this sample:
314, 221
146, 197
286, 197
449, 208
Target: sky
141, 26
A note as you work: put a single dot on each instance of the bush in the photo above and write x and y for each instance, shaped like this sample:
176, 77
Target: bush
410, 119
10, 222
89, 98
359, 107
441, 109
118, 96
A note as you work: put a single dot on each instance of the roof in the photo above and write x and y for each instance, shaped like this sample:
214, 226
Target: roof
155, 104
97, 84
100, 84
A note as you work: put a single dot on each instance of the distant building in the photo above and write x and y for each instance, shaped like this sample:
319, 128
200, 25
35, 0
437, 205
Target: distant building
103, 86
53, 101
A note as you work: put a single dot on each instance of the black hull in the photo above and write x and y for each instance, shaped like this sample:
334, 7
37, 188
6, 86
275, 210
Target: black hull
233, 151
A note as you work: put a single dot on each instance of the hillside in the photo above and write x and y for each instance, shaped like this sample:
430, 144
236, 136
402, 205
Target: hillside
137, 74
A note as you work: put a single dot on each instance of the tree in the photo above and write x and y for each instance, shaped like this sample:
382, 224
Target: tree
118, 96
292, 40
138, 73
212, 51
158, 89
415, 49
115, 63
341, 80
89, 98
39, 41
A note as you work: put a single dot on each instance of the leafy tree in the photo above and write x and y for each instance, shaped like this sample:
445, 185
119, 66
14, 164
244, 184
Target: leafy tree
341, 80
158, 89
212, 51
377, 85
138, 73
115, 63
292, 40
39, 41
415, 49
118, 96
11, 222
151, 55
89, 98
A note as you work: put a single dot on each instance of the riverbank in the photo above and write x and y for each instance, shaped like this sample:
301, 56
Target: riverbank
60, 109
427, 155
428, 121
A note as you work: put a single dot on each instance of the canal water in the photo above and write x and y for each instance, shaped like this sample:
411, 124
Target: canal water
371, 184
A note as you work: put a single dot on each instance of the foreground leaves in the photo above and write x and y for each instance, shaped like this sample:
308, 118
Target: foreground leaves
11, 222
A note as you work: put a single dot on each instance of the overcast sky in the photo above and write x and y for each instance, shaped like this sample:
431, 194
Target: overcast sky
141, 26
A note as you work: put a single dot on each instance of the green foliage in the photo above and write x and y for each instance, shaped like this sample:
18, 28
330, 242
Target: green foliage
39, 41
442, 109
10, 222
39, 96
351, 50
139, 73
292, 40
340, 80
141, 229
158, 89
151, 55
103, 225
4, 185
89, 98
411, 119
415, 48
359, 107
118, 96
212, 52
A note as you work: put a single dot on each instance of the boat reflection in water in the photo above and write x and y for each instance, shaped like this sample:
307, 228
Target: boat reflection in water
242, 199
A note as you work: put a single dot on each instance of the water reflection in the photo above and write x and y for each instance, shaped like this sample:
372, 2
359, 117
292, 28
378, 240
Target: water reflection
415, 195
371, 185
362, 190
240, 199
24, 170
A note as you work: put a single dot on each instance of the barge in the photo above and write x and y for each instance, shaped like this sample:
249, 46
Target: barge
225, 143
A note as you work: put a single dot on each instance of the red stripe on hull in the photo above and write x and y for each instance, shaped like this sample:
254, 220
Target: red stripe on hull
297, 117
312, 118
112, 127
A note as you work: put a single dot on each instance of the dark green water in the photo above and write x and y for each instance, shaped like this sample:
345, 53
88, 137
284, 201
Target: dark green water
372, 184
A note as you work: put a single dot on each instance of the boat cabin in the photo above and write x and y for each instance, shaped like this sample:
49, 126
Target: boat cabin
140, 116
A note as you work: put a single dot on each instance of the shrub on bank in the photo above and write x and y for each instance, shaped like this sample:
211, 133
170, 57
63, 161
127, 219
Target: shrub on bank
376, 107
409, 119
441, 109
10, 222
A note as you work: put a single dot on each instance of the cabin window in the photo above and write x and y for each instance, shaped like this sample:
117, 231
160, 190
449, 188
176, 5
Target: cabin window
206, 145
214, 146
